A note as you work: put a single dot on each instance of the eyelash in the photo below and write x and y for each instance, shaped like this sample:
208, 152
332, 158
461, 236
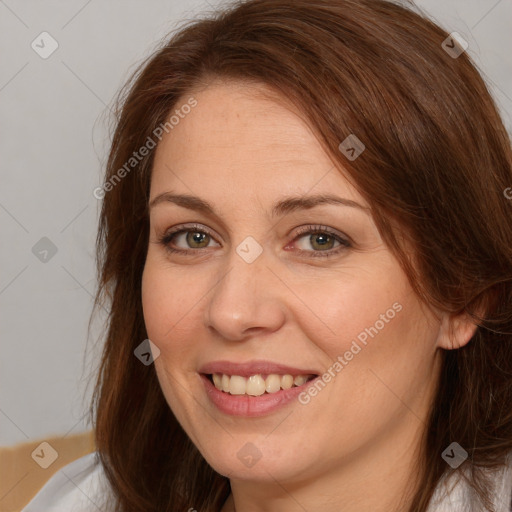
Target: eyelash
166, 239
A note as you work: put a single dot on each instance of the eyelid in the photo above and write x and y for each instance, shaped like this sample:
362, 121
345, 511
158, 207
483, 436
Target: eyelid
319, 228
189, 227
176, 230
344, 240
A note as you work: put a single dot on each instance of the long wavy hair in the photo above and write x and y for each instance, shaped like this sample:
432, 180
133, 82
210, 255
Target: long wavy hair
435, 171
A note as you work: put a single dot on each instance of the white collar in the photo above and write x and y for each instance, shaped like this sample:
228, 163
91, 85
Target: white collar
454, 494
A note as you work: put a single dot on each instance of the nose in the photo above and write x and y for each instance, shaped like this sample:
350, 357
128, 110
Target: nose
246, 300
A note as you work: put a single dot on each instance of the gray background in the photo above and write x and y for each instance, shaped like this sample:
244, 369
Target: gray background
54, 141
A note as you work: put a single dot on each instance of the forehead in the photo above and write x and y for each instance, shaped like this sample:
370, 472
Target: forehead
243, 137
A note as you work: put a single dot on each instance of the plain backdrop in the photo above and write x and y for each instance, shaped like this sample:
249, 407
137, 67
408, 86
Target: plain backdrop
54, 135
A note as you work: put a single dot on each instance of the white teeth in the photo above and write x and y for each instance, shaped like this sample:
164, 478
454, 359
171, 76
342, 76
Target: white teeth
225, 383
286, 381
273, 383
256, 385
299, 380
217, 380
237, 385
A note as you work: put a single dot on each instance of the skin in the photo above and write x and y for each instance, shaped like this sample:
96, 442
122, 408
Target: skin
241, 152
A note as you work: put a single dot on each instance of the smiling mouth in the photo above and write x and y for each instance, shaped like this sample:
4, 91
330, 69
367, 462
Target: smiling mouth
257, 385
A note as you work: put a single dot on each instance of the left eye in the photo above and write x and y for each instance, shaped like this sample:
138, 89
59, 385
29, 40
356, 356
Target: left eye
194, 239
321, 241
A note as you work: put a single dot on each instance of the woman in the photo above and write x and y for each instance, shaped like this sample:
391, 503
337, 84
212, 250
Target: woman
304, 211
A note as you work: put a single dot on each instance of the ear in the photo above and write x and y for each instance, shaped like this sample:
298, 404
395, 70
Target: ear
455, 331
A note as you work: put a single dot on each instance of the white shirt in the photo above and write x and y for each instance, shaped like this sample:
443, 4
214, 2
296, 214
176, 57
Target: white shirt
81, 486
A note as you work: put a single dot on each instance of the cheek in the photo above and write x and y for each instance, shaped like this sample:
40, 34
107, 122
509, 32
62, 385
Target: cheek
168, 309
386, 363
351, 306
170, 299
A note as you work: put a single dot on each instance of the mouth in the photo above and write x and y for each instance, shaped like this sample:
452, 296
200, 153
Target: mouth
254, 388
257, 384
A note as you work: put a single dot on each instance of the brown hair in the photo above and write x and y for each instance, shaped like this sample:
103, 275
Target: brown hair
436, 163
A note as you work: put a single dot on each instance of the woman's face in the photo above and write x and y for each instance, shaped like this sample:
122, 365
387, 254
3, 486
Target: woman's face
254, 289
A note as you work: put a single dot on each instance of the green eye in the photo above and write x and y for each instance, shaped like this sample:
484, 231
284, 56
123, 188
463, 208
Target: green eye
322, 240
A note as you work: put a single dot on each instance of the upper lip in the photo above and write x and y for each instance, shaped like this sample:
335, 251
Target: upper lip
253, 368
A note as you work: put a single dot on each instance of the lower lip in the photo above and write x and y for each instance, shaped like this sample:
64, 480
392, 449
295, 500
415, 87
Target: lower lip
251, 406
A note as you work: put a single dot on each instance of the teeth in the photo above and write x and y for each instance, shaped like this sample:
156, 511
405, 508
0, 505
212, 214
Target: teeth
273, 383
225, 383
256, 385
237, 385
217, 380
286, 381
299, 380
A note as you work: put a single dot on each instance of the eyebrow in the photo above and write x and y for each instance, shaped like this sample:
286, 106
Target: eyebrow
285, 205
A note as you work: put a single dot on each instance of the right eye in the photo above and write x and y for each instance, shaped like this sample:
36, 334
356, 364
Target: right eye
193, 237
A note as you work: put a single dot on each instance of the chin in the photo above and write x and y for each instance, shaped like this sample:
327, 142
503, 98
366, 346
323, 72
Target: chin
256, 462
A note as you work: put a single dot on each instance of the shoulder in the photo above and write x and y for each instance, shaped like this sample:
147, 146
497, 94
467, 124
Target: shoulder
454, 494
78, 487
